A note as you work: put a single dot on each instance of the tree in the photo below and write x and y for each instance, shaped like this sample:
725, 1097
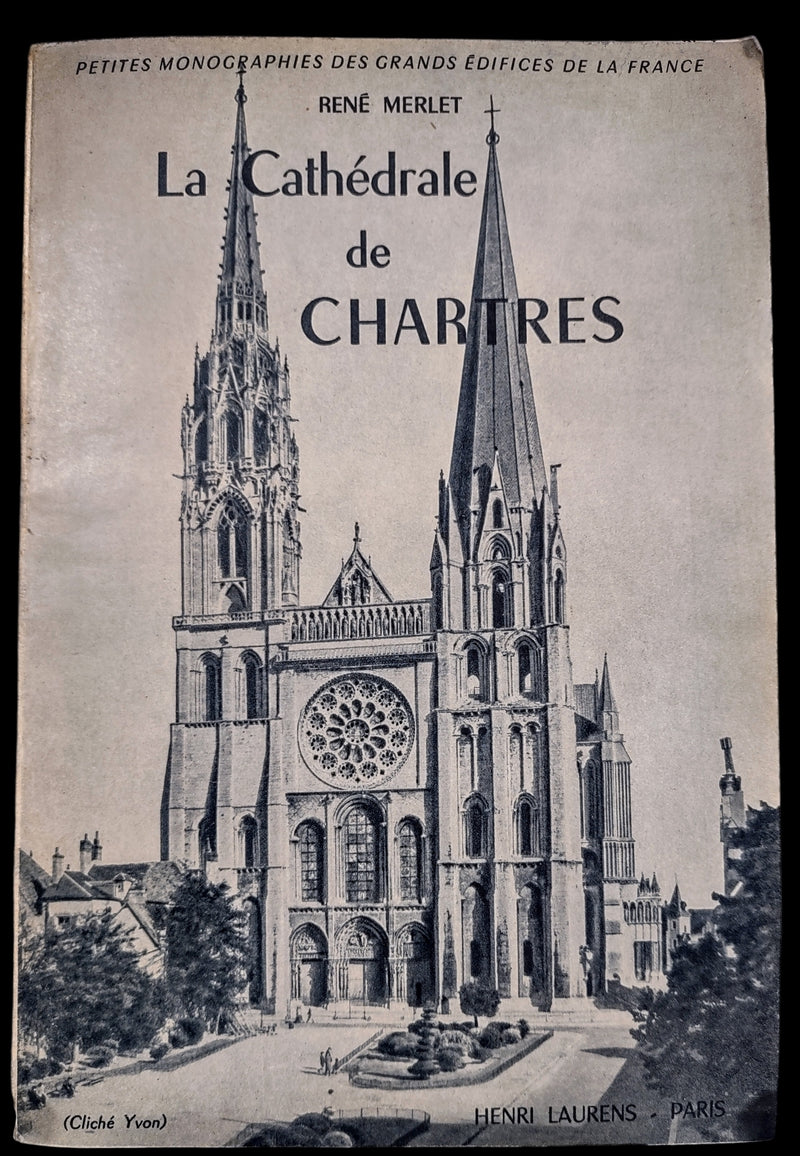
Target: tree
478, 1000
82, 984
722, 999
206, 964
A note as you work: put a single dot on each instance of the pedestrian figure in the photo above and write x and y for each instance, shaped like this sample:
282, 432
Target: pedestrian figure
336, 1065
308, 1017
321, 1062
328, 1062
36, 1097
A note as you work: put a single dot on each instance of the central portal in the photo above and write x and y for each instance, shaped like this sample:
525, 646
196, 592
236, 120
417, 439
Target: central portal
363, 963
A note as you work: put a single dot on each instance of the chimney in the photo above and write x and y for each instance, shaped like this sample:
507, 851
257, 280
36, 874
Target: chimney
58, 865
97, 849
85, 853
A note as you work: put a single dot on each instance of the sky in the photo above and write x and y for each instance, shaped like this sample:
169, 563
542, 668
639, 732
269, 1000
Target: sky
648, 186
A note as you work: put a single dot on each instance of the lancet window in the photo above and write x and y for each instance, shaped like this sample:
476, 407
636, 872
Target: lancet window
232, 533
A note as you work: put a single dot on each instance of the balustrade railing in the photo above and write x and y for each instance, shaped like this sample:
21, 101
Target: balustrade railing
380, 620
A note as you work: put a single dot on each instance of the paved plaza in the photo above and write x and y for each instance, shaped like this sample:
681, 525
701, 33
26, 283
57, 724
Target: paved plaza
276, 1077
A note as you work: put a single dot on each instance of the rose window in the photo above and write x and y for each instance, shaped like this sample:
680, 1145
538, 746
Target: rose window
356, 731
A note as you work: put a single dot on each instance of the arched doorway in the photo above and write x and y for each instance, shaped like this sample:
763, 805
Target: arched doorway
477, 937
363, 963
531, 943
309, 963
414, 966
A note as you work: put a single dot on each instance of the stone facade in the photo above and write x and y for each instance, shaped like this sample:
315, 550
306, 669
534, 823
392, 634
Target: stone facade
405, 795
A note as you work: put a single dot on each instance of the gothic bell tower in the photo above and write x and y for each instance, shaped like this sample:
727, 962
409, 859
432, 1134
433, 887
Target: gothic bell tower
511, 892
240, 559
241, 540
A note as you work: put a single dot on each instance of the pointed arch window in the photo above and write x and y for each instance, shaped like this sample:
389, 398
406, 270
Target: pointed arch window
438, 604
311, 851
475, 833
232, 534
206, 842
253, 686
288, 555
524, 663
361, 853
409, 854
559, 597
233, 435
260, 436
248, 842
201, 442
212, 687
497, 514
526, 827
499, 599
474, 672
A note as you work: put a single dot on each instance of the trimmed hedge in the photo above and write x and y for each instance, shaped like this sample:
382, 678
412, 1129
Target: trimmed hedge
399, 1045
450, 1059
491, 1036
453, 1039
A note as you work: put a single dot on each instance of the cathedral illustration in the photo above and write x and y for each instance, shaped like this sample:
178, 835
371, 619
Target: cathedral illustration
405, 796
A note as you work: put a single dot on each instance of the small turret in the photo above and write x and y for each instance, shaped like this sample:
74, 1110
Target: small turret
732, 817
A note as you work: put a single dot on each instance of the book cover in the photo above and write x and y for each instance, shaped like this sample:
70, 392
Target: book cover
398, 755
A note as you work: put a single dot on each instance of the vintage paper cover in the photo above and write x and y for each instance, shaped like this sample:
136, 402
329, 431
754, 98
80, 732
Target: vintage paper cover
398, 756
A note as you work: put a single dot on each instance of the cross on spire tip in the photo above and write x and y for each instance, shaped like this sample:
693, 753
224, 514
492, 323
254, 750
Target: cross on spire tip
493, 136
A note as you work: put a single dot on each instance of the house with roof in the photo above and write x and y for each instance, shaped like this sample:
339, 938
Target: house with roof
138, 894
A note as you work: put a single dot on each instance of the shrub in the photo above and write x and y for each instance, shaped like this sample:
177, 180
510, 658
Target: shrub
479, 1053
511, 1036
463, 1029
524, 1028
177, 1037
112, 1044
450, 1059
451, 1038
193, 1029
99, 1057
337, 1139
402, 1045
415, 1026
159, 1050
502, 1024
30, 1069
316, 1121
491, 1036
283, 1136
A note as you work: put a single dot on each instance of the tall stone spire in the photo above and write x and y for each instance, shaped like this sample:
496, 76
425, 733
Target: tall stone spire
241, 300
241, 550
607, 704
496, 410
